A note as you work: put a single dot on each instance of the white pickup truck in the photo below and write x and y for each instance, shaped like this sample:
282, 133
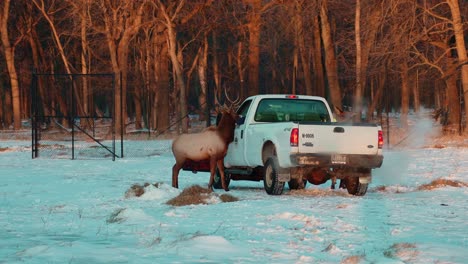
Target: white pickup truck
295, 139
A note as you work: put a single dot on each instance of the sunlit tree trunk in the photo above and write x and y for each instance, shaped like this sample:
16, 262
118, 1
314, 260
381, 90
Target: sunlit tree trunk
10, 61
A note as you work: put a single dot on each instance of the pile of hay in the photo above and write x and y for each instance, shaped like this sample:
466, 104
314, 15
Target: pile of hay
198, 195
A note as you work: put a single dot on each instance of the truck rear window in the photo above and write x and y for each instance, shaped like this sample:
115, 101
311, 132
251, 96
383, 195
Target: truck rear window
286, 110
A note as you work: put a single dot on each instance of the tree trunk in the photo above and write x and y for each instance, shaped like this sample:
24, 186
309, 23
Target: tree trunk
2, 106
84, 66
303, 51
453, 101
375, 100
216, 71
119, 33
363, 48
331, 64
117, 113
317, 59
8, 106
161, 107
202, 67
180, 83
357, 104
240, 68
254, 27
415, 92
10, 61
404, 95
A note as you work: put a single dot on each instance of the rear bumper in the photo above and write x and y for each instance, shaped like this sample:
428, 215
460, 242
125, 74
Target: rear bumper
325, 160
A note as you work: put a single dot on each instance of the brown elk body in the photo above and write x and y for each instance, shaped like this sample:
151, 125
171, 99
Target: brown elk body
210, 144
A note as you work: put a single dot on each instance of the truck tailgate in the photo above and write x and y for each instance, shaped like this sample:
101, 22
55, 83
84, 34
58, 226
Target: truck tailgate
338, 138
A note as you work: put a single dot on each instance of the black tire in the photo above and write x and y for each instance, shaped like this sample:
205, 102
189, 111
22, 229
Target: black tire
354, 187
270, 177
217, 180
296, 184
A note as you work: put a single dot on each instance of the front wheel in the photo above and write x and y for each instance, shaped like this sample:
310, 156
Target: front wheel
270, 177
217, 184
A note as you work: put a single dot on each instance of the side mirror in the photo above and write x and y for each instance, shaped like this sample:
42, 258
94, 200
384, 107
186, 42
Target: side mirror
240, 120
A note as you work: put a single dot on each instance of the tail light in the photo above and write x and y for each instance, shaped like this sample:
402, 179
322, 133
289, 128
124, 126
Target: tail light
380, 139
294, 139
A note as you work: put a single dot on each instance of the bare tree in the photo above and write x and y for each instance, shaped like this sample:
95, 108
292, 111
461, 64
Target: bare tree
122, 21
458, 30
172, 18
373, 19
254, 17
300, 40
436, 50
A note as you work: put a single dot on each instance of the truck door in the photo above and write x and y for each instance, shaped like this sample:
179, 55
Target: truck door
236, 151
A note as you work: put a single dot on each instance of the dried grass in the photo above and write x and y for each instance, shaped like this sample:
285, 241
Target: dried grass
438, 183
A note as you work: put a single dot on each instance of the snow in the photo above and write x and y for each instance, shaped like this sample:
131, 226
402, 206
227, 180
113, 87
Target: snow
77, 211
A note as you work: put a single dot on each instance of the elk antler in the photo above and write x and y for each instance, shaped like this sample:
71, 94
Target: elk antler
234, 103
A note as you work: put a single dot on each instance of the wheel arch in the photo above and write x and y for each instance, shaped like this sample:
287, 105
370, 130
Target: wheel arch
268, 150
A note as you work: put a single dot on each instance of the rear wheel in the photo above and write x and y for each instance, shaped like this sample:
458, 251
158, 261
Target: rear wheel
354, 187
217, 184
270, 177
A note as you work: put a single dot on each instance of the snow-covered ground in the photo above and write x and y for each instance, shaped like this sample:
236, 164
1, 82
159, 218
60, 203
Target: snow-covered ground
76, 211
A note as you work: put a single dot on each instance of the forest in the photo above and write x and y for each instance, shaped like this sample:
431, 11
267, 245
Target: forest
171, 58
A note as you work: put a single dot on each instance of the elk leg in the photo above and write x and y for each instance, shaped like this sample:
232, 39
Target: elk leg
175, 175
221, 171
212, 172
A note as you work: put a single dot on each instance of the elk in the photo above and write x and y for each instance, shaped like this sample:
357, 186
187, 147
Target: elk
210, 144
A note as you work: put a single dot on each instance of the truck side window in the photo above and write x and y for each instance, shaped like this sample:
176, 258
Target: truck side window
242, 111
